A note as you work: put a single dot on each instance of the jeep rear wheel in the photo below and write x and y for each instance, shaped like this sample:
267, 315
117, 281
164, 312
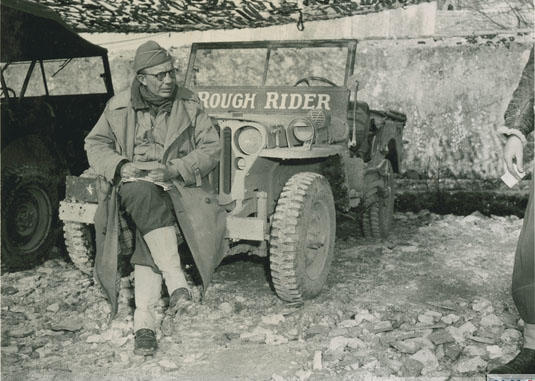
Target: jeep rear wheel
377, 219
29, 216
79, 240
302, 237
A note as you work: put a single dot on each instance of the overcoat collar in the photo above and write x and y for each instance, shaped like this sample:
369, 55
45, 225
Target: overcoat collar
121, 115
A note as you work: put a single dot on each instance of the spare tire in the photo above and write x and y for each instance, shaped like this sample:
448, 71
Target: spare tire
29, 216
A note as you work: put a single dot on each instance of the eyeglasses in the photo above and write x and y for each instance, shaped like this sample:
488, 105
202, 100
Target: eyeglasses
161, 75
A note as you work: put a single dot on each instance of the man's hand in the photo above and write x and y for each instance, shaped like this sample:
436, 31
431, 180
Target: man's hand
129, 170
164, 173
514, 149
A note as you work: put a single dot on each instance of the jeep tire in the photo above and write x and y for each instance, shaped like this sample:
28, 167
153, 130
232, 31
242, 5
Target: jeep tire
302, 237
29, 216
79, 242
377, 219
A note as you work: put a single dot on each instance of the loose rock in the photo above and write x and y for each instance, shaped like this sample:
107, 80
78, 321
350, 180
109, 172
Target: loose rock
426, 319
382, 326
94, 339
494, 351
53, 307
168, 365
441, 337
511, 336
406, 346
67, 325
491, 320
317, 363
21, 332
452, 351
411, 368
226, 307
273, 319
472, 365
428, 360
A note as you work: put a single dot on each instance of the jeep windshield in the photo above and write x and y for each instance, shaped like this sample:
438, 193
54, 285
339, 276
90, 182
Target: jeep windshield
268, 63
53, 77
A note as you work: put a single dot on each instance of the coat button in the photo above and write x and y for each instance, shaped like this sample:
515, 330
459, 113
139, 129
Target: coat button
208, 200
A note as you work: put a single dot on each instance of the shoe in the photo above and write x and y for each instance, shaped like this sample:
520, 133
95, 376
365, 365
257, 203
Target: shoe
145, 343
523, 363
181, 294
179, 301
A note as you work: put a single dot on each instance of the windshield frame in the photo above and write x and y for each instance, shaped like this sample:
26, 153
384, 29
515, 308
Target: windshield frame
351, 46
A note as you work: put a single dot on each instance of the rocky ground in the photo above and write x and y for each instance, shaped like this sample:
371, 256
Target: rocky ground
432, 301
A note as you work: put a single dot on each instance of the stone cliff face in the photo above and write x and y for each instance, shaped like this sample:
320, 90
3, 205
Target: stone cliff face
454, 92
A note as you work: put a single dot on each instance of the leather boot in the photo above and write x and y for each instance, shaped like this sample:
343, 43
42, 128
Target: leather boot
145, 342
180, 302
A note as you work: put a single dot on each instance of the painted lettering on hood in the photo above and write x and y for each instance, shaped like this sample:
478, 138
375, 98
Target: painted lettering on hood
271, 100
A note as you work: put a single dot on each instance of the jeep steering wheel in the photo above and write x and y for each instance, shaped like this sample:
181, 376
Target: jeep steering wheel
321, 79
6, 91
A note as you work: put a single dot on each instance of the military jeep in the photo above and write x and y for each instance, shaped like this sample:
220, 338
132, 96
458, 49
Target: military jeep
296, 146
54, 85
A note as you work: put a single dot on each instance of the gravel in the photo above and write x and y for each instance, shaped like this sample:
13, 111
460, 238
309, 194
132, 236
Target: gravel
430, 301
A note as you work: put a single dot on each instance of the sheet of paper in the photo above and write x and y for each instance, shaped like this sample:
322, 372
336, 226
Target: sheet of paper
165, 185
147, 165
508, 177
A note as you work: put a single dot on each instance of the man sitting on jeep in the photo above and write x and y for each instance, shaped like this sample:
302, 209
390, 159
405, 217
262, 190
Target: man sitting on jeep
154, 132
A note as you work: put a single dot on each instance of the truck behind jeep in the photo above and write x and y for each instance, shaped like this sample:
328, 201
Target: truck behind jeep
296, 145
54, 85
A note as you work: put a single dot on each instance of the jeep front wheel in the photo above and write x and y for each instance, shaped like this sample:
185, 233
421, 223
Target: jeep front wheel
302, 237
377, 219
79, 240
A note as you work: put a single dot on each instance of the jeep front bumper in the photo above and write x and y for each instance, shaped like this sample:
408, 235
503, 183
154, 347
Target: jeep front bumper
238, 228
77, 212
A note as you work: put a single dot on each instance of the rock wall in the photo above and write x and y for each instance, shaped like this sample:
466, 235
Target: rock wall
454, 91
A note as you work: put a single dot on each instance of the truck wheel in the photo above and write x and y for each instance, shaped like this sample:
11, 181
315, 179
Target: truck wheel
377, 219
302, 237
29, 216
79, 242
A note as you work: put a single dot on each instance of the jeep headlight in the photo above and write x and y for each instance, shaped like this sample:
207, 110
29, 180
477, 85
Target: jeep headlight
249, 140
302, 129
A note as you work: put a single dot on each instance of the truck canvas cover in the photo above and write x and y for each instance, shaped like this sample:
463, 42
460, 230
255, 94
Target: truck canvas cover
31, 31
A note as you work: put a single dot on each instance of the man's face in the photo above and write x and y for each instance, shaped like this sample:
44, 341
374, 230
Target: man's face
163, 87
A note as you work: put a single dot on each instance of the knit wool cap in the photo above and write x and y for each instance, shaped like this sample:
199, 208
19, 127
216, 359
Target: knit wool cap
150, 54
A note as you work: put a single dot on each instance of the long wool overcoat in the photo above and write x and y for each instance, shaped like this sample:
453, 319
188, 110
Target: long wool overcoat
191, 145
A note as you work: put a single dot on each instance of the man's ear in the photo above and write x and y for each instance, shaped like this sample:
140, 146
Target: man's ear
141, 78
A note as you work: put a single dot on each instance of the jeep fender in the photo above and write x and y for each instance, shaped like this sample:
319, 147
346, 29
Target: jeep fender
35, 150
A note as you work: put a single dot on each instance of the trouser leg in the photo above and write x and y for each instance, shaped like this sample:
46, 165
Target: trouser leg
151, 209
147, 204
163, 246
523, 286
148, 287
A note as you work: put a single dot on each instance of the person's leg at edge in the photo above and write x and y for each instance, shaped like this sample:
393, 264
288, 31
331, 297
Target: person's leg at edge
523, 290
529, 336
